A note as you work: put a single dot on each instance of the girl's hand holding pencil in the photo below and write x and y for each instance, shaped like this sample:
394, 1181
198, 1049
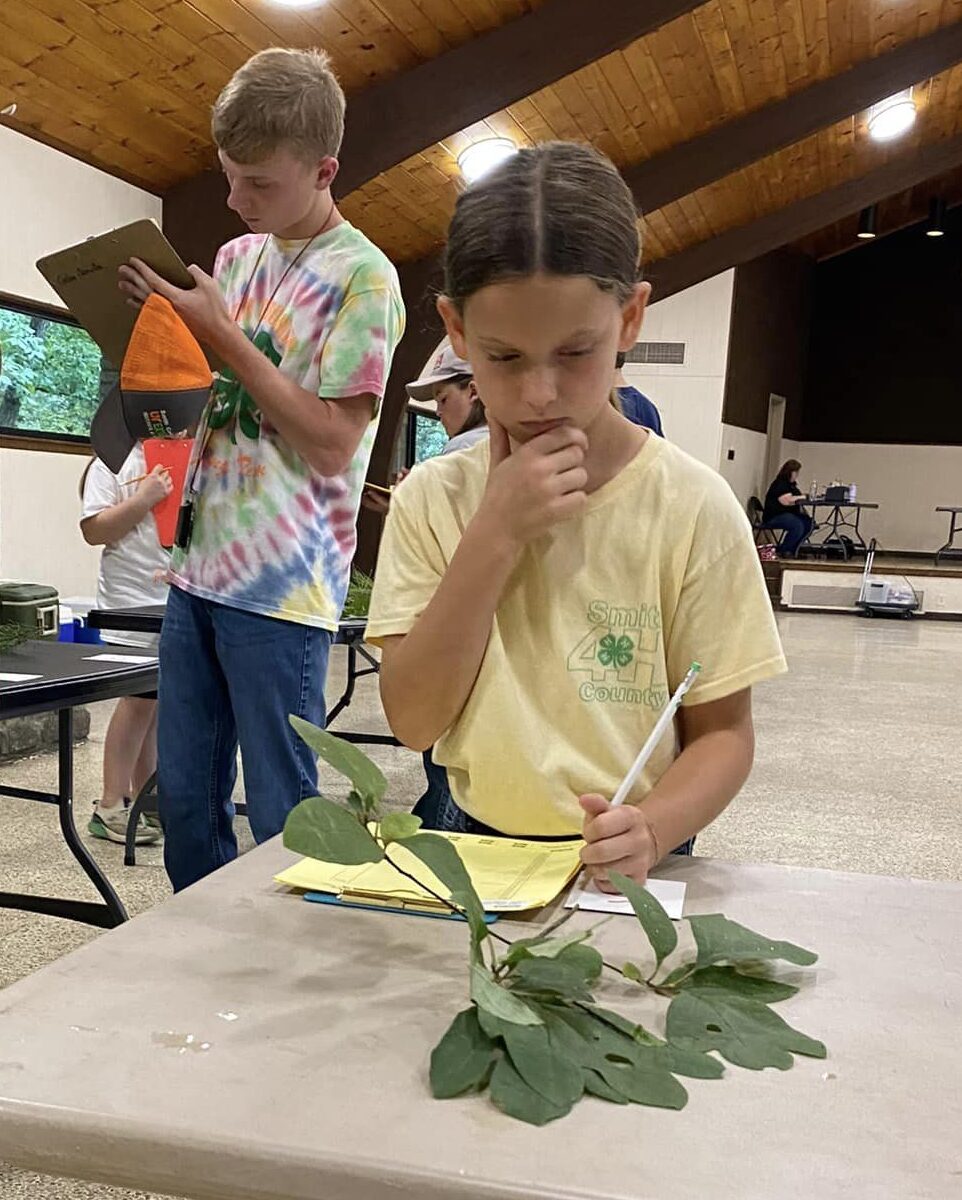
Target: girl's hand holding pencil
155, 487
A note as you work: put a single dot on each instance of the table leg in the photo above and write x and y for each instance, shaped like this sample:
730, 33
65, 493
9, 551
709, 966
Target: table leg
348, 693
106, 915
950, 547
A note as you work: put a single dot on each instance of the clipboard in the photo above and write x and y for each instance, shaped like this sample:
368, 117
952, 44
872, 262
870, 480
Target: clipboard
174, 454
85, 278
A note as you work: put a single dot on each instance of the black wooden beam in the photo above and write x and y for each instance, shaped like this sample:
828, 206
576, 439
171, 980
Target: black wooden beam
390, 121
797, 220
696, 163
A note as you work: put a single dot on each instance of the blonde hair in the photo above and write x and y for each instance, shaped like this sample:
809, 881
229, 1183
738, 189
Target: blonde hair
280, 97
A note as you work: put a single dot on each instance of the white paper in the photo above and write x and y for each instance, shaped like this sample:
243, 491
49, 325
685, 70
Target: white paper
13, 677
122, 658
670, 894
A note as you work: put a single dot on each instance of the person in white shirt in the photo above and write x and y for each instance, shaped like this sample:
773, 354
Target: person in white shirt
116, 514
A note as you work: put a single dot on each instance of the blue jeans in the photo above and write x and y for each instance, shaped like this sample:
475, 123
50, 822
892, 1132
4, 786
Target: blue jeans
439, 810
797, 527
230, 677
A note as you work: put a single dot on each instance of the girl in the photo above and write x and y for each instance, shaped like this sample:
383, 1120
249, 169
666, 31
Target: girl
117, 515
539, 596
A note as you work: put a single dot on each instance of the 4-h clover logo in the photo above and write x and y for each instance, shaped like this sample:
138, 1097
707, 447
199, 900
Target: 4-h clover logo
615, 651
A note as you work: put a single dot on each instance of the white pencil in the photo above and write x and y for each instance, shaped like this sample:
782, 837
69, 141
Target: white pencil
655, 737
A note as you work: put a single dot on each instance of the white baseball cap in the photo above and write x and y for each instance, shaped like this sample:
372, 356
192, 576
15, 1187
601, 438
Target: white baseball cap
444, 366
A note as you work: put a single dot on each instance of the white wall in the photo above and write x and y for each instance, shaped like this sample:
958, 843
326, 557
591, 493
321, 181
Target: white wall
744, 472
689, 397
907, 482
49, 201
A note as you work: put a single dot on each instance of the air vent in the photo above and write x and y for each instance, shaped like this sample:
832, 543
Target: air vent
672, 353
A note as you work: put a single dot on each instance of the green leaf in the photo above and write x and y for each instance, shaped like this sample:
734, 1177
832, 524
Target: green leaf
441, 858
541, 947
694, 1064
637, 1033
654, 920
322, 829
554, 976
595, 1085
396, 826
498, 1001
357, 806
730, 980
366, 778
745, 1031
460, 1062
630, 971
583, 959
542, 1064
721, 940
644, 1084
516, 1099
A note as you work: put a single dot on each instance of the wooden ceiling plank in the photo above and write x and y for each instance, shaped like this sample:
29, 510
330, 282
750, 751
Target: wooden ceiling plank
665, 127
815, 33
747, 139
62, 133
620, 83
804, 217
154, 141
504, 65
710, 23
768, 37
591, 125
374, 25
409, 20
449, 19
607, 103
370, 50
790, 15
200, 30
839, 14
189, 62
686, 71
744, 40
58, 53
119, 44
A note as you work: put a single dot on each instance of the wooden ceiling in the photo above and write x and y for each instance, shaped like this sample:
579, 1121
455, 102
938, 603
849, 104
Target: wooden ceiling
127, 85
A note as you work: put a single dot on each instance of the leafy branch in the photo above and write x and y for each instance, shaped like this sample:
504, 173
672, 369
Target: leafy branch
534, 1034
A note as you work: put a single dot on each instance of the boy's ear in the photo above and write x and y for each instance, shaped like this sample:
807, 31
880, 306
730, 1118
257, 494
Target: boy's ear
632, 315
327, 170
453, 324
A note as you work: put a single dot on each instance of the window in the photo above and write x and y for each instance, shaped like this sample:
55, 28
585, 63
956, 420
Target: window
52, 374
429, 436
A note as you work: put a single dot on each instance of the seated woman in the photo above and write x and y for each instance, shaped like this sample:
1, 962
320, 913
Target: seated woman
782, 501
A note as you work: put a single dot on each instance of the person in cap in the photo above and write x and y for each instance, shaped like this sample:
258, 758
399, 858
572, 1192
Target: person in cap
304, 313
635, 405
449, 381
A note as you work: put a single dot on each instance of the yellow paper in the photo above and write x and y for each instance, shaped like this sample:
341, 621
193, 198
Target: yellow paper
509, 875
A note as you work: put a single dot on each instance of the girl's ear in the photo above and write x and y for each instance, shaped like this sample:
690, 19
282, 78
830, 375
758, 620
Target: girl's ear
453, 324
632, 315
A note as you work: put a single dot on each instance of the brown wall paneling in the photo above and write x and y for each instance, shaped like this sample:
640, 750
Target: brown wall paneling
884, 363
768, 343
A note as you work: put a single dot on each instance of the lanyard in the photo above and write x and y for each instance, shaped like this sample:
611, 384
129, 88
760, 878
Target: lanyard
205, 434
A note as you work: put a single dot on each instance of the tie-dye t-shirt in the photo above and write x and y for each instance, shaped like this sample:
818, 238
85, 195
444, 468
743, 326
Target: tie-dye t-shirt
270, 534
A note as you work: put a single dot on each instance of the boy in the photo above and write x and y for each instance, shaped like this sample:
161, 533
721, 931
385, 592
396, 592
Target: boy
305, 314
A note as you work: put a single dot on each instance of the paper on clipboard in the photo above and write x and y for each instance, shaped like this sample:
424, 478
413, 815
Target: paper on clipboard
85, 278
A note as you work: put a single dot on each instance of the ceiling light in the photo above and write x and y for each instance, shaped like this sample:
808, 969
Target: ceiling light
482, 157
936, 225
867, 221
892, 116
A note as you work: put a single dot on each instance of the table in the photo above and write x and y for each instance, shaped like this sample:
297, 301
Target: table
950, 549
318, 1088
350, 633
835, 523
68, 675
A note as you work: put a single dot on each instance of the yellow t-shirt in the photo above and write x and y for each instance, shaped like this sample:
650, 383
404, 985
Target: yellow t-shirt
597, 626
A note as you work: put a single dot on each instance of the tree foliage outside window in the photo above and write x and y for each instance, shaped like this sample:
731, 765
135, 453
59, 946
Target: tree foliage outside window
429, 439
51, 375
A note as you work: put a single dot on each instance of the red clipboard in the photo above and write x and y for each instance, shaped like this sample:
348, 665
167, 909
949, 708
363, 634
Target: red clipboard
174, 454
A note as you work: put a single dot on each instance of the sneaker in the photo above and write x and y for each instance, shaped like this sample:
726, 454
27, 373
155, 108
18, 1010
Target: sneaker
111, 824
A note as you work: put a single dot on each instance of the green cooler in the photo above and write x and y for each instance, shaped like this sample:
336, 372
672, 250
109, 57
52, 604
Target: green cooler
33, 605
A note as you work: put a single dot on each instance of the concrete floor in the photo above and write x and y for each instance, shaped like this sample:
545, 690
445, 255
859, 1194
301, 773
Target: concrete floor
855, 769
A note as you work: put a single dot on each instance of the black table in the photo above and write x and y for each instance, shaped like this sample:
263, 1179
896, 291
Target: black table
835, 523
68, 675
350, 633
950, 549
